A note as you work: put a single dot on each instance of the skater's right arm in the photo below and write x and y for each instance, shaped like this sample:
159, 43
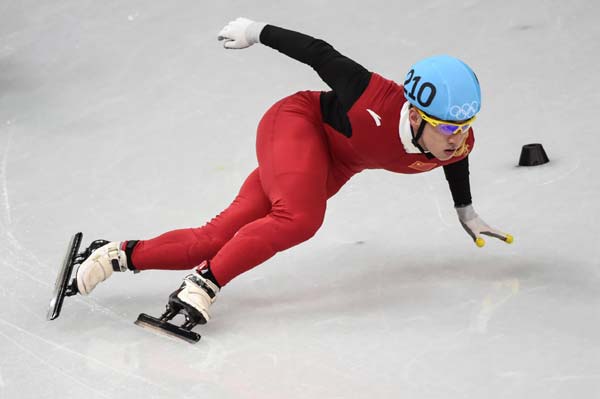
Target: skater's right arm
347, 78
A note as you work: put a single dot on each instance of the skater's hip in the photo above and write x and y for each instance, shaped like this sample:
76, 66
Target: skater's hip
300, 105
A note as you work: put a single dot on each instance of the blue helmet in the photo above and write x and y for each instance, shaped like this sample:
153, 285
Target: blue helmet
443, 87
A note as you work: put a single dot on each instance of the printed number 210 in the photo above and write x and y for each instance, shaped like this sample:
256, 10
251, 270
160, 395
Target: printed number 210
426, 88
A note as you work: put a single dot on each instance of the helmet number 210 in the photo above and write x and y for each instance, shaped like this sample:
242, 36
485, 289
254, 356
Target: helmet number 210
426, 91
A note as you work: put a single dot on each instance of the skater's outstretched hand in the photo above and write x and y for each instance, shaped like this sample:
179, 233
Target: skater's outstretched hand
240, 33
475, 227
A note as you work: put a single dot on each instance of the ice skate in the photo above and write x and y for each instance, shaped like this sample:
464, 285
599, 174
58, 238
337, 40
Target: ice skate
192, 299
96, 264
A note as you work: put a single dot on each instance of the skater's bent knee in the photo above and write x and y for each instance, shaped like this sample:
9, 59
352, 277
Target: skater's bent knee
299, 228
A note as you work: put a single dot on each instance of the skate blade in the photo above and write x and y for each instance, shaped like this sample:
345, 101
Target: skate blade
63, 277
166, 328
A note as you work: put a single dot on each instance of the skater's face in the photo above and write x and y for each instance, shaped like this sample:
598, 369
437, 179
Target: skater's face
440, 145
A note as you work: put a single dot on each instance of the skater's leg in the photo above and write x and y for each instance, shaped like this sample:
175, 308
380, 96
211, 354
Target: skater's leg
295, 217
186, 248
294, 165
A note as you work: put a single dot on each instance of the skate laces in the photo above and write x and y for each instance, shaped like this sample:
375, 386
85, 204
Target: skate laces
206, 285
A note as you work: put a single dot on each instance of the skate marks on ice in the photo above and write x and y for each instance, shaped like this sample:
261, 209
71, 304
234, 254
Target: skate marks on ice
24, 267
563, 175
555, 171
48, 365
16, 257
501, 292
3, 179
27, 342
14, 248
446, 344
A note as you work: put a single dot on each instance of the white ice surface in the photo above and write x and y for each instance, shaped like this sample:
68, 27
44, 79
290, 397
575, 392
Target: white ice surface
126, 119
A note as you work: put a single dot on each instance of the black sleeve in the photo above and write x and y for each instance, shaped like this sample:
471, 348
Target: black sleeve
457, 175
346, 78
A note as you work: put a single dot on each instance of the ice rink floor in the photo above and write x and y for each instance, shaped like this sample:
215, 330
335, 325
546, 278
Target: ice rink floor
127, 119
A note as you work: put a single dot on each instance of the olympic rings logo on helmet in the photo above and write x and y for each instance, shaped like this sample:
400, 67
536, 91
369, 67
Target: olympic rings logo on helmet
465, 111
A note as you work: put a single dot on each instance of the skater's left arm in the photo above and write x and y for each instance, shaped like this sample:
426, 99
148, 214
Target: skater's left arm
457, 175
347, 78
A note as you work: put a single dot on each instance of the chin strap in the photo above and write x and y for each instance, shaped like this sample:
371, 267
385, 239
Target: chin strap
415, 138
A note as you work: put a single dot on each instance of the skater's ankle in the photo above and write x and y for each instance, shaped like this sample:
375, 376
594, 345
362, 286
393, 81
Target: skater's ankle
128, 247
204, 270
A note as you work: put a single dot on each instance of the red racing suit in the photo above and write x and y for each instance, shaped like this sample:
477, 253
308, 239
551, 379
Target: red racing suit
308, 145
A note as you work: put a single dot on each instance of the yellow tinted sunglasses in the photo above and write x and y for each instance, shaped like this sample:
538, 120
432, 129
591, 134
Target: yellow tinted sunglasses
444, 127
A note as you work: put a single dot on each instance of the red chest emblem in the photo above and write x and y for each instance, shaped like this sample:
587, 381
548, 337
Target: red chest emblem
422, 166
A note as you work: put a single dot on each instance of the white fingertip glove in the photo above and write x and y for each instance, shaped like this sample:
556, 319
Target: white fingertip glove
241, 33
475, 227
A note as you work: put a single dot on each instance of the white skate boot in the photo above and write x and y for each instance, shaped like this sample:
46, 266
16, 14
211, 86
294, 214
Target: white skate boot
194, 297
99, 266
